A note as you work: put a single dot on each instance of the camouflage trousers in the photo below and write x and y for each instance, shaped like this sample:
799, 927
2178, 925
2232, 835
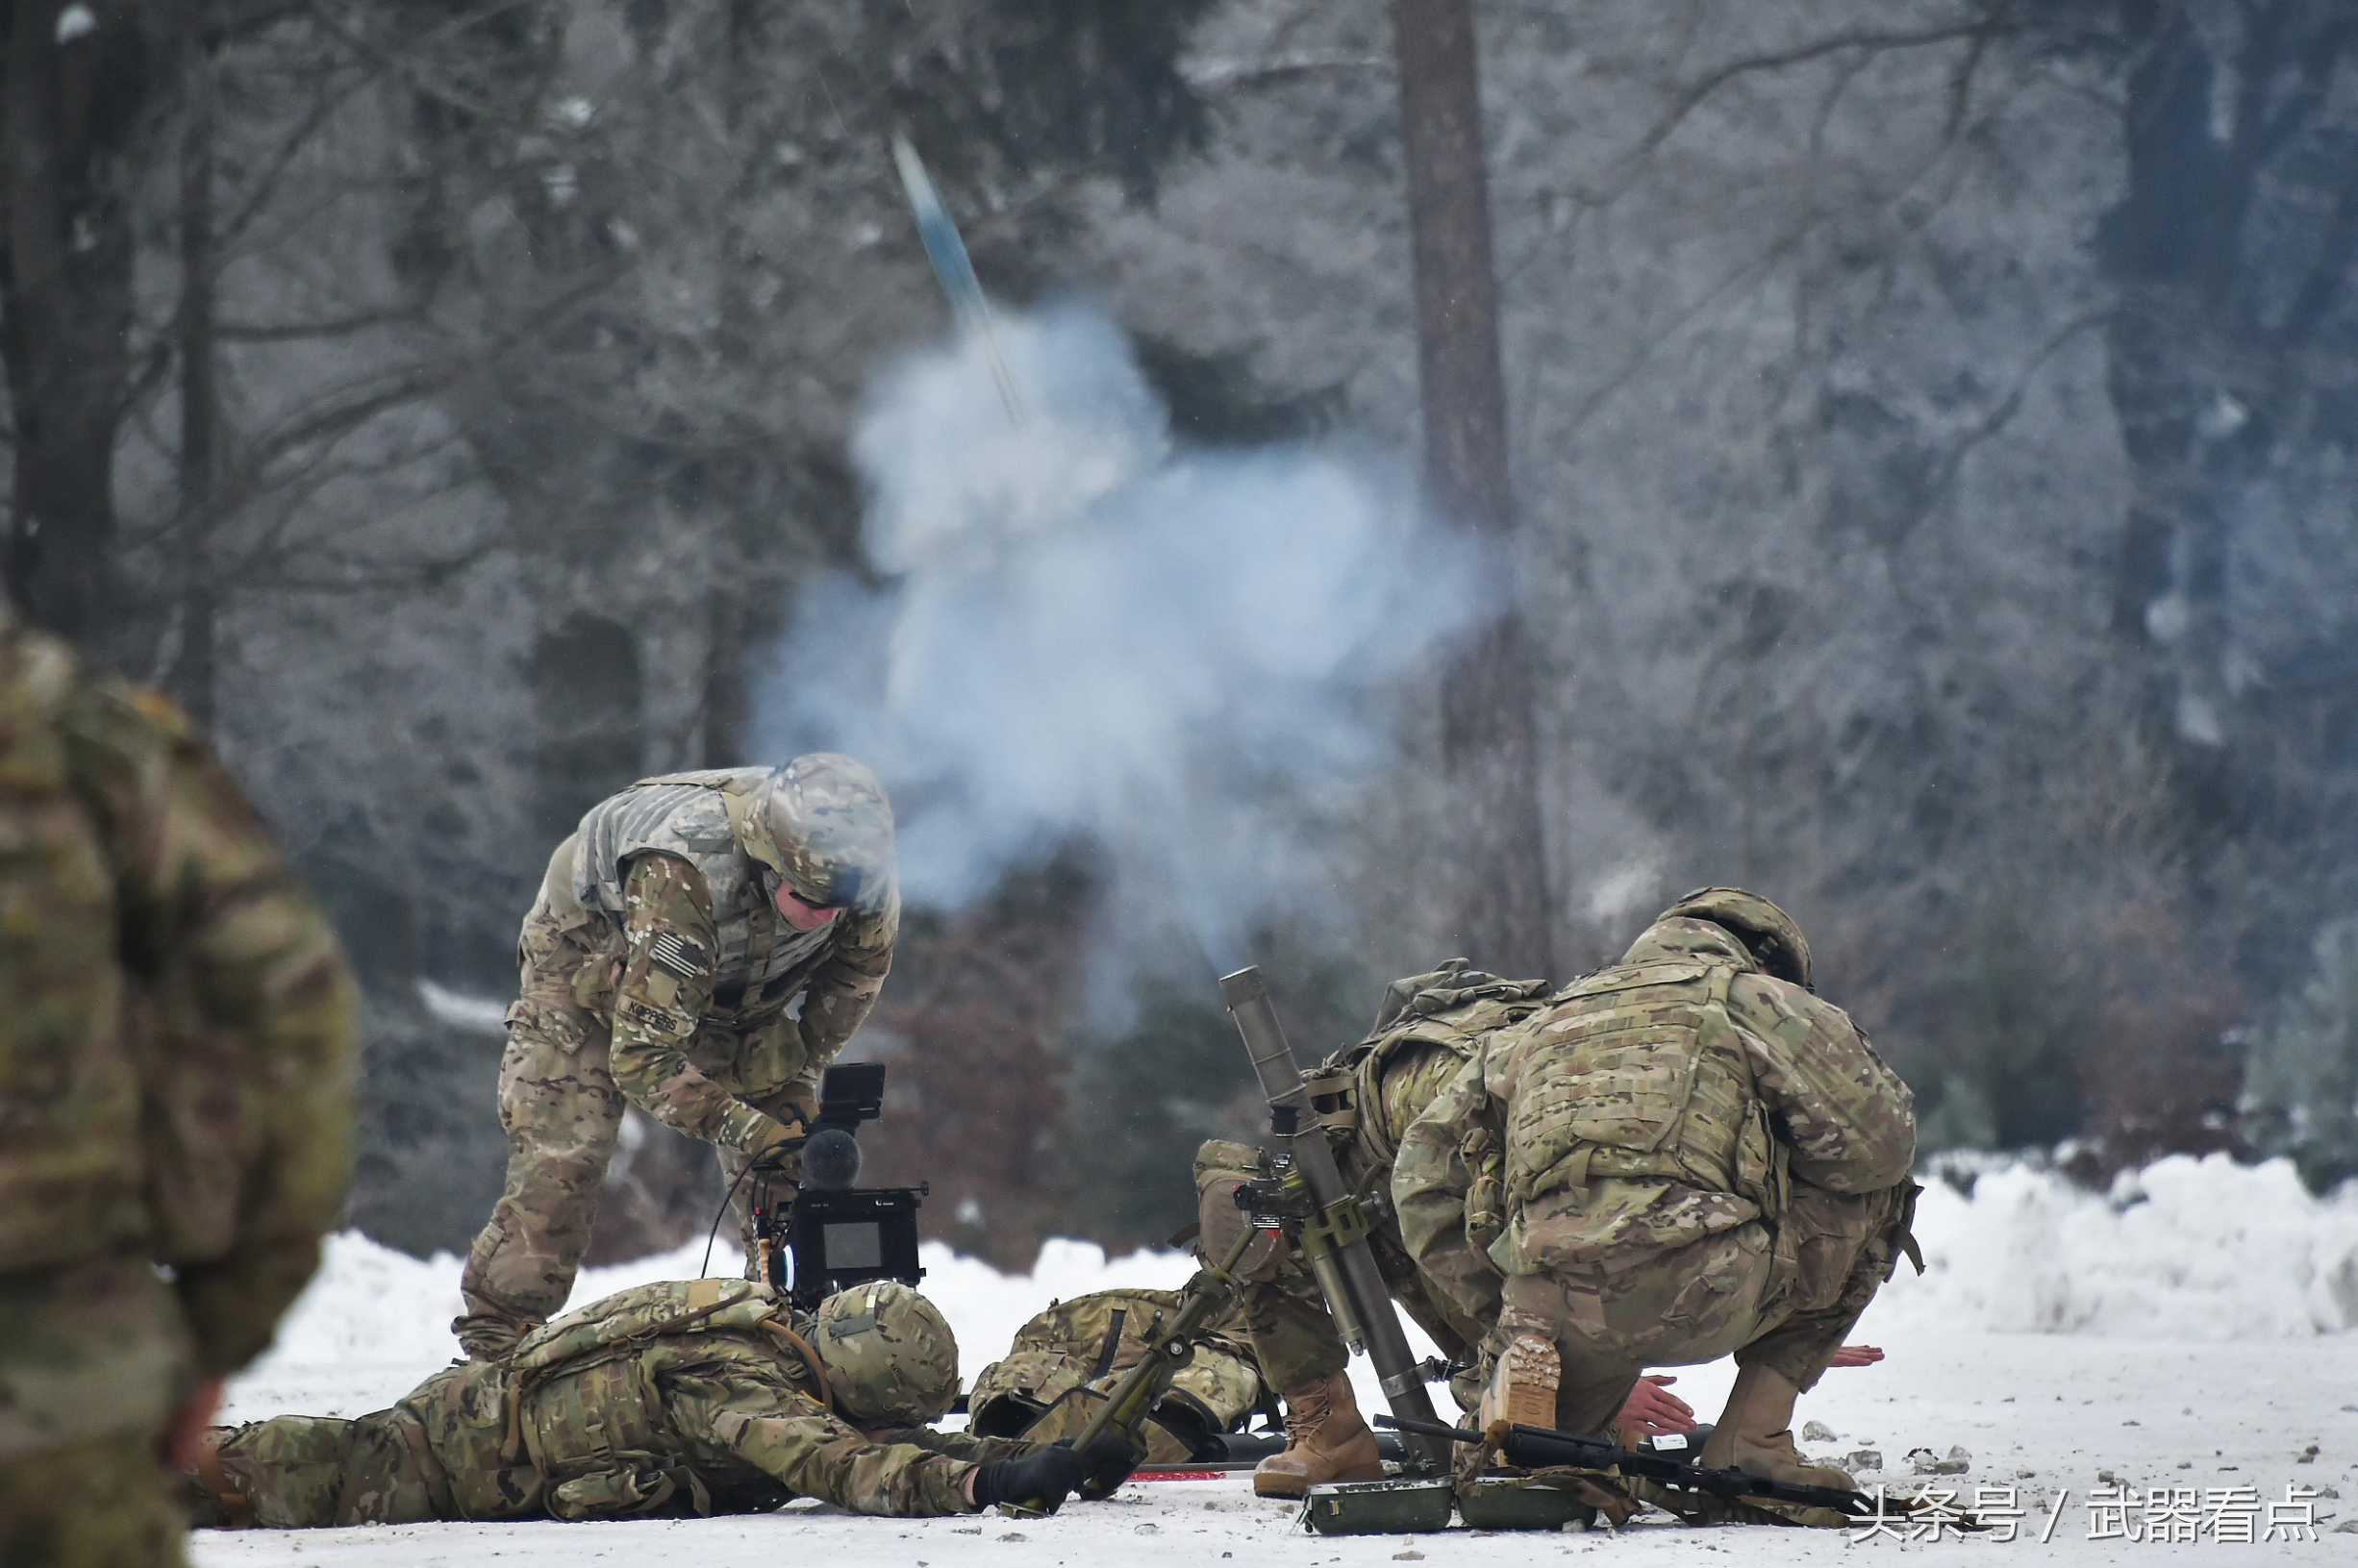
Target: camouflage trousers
1781, 1299
295, 1472
104, 1503
1293, 1334
562, 1112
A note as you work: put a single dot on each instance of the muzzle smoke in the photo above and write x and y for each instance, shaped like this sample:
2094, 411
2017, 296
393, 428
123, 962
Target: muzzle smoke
1178, 655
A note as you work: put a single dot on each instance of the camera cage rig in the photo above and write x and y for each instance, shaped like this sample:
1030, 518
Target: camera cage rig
831, 1237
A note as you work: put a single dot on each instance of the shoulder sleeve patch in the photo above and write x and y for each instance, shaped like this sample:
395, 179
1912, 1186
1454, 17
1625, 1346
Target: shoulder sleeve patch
676, 953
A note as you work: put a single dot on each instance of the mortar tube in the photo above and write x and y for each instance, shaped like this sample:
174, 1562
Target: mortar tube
1361, 1287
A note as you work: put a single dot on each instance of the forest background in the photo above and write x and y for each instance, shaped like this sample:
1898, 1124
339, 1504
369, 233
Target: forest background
1928, 500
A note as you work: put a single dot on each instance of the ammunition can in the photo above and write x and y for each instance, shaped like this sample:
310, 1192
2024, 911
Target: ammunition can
1416, 1505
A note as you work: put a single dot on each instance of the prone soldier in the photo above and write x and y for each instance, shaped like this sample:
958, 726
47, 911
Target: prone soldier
1683, 1156
702, 946
701, 1396
176, 1062
1086, 1343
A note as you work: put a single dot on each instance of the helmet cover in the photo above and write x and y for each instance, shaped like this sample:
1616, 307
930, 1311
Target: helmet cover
825, 824
1767, 932
891, 1353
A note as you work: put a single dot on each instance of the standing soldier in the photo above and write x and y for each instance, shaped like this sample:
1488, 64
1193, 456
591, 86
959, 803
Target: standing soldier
1684, 1156
703, 944
176, 1037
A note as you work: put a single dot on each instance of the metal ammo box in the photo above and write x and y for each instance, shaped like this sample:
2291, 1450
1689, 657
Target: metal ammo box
1519, 1502
1416, 1505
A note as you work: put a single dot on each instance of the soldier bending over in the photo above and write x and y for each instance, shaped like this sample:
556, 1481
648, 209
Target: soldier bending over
702, 946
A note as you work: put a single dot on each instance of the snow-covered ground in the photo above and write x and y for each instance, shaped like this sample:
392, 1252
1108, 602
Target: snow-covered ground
2188, 1331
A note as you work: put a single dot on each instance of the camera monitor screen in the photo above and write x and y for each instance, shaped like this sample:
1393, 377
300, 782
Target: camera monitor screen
847, 1237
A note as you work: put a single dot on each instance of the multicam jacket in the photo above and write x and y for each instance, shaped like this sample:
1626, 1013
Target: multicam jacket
176, 1059
655, 926
1666, 1099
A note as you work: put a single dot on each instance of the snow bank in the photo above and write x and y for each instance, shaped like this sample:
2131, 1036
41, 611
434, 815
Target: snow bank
2185, 1249
374, 1321
2200, 1249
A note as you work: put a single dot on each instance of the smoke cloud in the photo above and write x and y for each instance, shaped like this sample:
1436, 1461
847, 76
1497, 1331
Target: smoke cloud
1182, 657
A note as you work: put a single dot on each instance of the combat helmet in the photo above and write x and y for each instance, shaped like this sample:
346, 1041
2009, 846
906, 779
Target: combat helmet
825, 824
1767, 932
892, 1359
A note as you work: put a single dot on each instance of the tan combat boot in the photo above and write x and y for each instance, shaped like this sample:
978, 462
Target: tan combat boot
1755, 1434
1325, 1440
1522, 1385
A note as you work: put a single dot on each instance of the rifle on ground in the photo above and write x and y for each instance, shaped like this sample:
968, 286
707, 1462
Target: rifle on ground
1333, 1235
1541, 1448
1171, 1344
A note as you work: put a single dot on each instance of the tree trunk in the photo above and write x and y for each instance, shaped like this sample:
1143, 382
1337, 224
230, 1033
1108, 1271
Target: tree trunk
192, 678
73, 103
728, 704
1505, 917
2230, 255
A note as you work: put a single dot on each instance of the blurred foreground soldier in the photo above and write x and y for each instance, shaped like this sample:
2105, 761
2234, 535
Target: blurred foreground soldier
1367, 1096
702, 945
696, 1397
176, 1039
1684, 1156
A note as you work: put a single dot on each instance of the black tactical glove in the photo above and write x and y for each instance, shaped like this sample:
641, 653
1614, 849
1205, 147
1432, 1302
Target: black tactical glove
1109, 1460
1040, 1480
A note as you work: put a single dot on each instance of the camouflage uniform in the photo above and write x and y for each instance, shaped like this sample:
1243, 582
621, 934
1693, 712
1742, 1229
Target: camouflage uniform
1090, 1342
702, 1396
1681, 1157
656, 969
176, 1057
1366, 1095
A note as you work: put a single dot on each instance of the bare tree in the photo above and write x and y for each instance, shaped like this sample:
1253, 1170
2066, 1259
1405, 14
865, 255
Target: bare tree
74, 104
1506, 918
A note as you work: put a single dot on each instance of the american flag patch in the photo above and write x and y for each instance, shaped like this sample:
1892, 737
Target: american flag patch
673, 952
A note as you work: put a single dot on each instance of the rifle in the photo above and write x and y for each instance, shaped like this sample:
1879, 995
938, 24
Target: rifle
1541, 1448
1171, 1344
1333, 1230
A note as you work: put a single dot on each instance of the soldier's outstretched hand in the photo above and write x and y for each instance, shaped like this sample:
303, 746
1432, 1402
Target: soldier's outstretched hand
1651, 1409
1856, 1356
1041, 1480
1110, 1460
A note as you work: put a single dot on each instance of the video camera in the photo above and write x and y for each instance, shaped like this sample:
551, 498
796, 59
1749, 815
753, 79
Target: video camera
835, 1234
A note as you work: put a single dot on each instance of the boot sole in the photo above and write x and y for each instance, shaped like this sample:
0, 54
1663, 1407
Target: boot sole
1524, 1386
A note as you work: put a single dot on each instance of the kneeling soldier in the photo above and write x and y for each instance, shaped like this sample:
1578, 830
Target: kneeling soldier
1684, 1156
703, 1396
